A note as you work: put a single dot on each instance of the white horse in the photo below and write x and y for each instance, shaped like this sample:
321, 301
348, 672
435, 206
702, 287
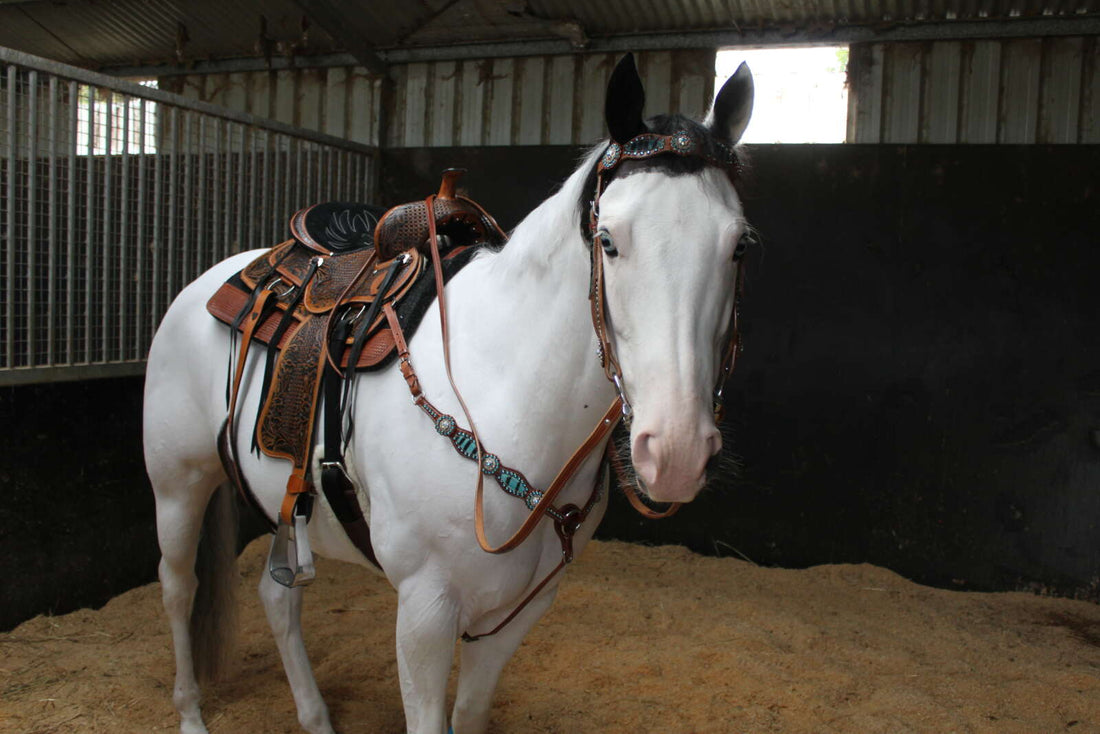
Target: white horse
525, 356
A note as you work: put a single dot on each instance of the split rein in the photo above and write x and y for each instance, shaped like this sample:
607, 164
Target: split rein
567, 518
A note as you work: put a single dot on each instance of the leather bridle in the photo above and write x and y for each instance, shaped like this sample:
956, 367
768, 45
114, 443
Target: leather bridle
642, 147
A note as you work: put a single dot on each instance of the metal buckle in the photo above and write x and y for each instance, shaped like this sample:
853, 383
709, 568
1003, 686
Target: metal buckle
284, 294
628, 410
349, 319
339, 465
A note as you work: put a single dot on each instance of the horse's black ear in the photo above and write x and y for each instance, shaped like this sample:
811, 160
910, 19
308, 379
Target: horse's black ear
625, 101
732, 108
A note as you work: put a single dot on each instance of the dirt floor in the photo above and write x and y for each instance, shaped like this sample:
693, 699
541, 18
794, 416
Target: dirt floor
640, 640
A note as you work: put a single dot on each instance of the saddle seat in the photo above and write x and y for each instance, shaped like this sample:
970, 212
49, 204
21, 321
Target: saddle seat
336, 226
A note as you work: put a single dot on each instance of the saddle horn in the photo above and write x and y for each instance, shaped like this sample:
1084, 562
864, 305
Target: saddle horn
449, 185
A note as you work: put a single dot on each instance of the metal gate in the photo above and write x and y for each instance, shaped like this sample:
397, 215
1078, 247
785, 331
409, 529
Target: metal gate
114, 195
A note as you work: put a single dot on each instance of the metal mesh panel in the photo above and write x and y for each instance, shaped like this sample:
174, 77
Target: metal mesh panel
114, 196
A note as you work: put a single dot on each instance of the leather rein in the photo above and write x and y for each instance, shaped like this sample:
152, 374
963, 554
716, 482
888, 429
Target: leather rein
569, 518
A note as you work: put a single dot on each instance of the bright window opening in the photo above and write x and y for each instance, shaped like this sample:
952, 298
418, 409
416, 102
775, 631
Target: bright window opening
110, 123
801, 93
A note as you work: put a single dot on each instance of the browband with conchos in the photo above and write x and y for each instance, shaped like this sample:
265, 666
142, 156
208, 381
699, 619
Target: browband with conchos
681, 143
648, 145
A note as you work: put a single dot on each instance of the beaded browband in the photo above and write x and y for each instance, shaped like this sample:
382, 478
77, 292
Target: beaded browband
681, 142
649, 145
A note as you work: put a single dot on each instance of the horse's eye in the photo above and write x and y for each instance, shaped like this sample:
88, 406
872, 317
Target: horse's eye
746, 239
608, 245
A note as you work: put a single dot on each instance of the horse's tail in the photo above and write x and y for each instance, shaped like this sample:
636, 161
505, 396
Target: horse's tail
214, 613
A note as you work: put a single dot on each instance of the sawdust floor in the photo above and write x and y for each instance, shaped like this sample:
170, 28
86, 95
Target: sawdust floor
640, 640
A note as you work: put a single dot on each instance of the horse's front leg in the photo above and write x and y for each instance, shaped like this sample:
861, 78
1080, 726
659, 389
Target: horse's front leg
427, 627
483, 660
284, 613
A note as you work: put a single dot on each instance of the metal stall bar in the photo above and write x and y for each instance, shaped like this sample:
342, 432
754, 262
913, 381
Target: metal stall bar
9, 279
252, 183
124, 231
174, 196
159, 287
120, 197
278, 188
239, 203
201, 239
186, 198
70, 218
265, 218
51, 226
216, 185
140, 238
32, 210
104, 354
89, 223
227, 194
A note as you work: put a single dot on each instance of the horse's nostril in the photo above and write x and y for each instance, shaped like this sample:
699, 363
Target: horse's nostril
714, 442
645, 456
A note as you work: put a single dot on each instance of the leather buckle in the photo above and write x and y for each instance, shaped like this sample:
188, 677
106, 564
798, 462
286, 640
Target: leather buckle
570, 521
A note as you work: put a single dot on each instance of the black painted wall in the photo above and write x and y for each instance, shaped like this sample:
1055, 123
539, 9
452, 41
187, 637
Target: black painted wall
76, 523
920, 387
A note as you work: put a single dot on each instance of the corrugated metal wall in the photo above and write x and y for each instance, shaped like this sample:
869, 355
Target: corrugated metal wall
339, 101
537, 100
1040, 90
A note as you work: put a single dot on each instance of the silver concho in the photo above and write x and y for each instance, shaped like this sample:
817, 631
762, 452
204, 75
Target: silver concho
611, 155
490, 464
445, 425
682, 142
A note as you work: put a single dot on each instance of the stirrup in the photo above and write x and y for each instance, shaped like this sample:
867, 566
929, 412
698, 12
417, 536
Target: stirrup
277, 560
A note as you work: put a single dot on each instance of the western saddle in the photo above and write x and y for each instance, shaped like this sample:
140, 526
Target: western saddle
336, 298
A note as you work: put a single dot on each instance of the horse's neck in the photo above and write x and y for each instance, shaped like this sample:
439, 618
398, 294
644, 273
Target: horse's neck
533, 298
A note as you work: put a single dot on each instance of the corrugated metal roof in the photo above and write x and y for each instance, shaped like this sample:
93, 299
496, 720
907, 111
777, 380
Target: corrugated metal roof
91, 33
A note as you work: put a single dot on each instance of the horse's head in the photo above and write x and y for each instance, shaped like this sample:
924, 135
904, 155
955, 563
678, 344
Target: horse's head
668, 236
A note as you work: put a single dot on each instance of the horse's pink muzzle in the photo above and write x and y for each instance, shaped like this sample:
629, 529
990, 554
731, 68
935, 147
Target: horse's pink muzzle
672, 464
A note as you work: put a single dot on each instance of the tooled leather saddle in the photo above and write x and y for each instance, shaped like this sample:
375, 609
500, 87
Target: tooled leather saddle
315, 302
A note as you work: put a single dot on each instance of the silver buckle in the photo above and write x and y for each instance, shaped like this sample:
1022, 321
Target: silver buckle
628, 410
